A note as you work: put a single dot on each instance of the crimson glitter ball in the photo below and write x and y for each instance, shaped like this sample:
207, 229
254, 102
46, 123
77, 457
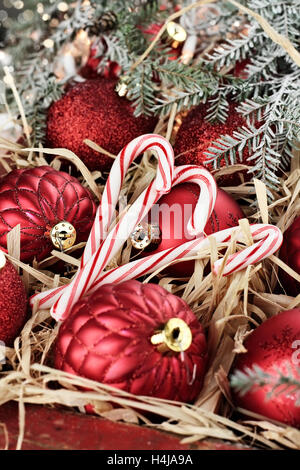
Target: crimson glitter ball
274, 347
107, 338
290, 254
196, 135
175, 210
93, 110
37, 199
13, 304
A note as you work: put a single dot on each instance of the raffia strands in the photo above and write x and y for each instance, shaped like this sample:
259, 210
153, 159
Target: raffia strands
226, 306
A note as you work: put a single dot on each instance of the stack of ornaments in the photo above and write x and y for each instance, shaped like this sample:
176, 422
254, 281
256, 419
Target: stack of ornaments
133, 336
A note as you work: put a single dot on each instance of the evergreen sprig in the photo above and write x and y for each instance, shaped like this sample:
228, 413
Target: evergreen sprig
268, 96
255, 378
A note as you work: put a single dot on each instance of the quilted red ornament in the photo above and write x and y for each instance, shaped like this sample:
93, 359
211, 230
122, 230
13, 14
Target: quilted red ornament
290, 254
175, 210
274, 346
196, 135
13, 302
114, 337
93, 110
37, 199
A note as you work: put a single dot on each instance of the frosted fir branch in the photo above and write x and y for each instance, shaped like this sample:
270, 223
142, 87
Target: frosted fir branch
183, 100
230, 147
255, 378
218, 108
234, 50
141, 90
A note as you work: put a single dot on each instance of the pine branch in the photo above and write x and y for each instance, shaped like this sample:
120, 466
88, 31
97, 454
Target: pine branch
140, 89
235, 50
255, 378
218, 108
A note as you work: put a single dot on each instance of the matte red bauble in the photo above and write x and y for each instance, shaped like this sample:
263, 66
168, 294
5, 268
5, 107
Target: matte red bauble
290, 254
13, 303
196, 135
38, 199
274, 347
93, 110
128, 336
175, 210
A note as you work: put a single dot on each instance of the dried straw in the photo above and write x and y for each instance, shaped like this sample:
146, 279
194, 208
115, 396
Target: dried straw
227, 307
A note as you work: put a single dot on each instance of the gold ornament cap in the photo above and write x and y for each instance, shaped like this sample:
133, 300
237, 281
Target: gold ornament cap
63, 235
176, 335
144, 235
176, 34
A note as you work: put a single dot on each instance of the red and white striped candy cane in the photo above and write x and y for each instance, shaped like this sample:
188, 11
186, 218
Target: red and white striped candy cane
63, 298
267, 238
207, 198
98, 236
111, 193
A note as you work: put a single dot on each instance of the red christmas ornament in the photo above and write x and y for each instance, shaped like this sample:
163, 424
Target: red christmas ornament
175, 210
274, 347
90, 70
13, 302
290, 254
93, 110
38, 199
196, 135
128, 336
240, 69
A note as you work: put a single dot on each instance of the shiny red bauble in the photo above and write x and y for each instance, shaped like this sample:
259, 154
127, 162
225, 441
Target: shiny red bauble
37, 199
275, 347
175, 210
196, 135
13, 304
107, 338
93, 110
290, 254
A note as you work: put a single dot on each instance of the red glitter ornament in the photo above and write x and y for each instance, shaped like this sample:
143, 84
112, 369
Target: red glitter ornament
109, 337
196, 135
175, 210
274, 347
37, 199
93, 110
13, 303
290, 254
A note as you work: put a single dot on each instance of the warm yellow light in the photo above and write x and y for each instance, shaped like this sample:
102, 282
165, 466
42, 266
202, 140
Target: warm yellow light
40, 8
63, 6
82, 35
18, 5
48, 43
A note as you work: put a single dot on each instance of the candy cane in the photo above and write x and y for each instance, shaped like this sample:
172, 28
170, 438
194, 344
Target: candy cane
163, 183
207, 198
268, 239
63, 298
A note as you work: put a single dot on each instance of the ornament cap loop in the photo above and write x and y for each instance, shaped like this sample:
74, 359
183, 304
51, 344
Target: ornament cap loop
63, 235
145, 235
176, 34
176, 335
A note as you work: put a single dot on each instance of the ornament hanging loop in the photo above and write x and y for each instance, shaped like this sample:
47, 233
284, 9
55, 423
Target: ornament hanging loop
63, 235
176, 336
